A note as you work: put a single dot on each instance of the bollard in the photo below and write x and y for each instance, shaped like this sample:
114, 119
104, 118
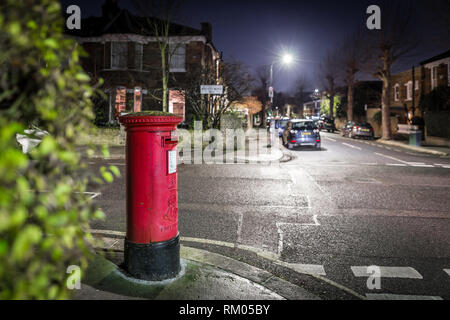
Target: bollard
152, 249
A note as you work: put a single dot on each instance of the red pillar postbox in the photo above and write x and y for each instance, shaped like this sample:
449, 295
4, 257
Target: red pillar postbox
152, 249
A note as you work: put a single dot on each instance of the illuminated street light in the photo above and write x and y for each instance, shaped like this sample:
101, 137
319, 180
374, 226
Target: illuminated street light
287, 59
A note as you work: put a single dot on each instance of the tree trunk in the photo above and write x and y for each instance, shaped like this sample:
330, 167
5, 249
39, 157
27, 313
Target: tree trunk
350, 98
385, 109
332, 106
263, 116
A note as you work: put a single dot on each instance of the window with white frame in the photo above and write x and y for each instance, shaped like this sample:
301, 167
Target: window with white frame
178, 57
138, 50
434, 71
119, 55
448, 74
397, 92
409, 90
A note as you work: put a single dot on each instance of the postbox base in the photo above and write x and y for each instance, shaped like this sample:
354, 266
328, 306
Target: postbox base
153, 262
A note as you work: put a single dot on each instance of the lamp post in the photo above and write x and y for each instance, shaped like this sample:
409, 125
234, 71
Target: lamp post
286, 60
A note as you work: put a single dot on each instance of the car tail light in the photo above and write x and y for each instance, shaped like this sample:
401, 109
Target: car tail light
318, 141
293, 141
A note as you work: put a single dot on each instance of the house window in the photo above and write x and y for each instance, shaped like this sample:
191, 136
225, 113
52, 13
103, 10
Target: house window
416, 85
397, 92
409, 90
448, 74
138, 50
434, 71
178, 57
119, 55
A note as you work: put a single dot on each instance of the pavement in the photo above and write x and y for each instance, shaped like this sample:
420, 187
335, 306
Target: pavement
204, 276
430, 149
317, 221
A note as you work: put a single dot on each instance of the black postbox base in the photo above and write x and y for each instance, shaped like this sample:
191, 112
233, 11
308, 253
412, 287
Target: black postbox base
153, 262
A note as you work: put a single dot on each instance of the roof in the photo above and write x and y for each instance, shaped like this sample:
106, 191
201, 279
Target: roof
125, 22
436, 58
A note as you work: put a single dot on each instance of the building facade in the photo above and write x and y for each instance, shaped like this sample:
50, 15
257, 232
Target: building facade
123, 50
409, 86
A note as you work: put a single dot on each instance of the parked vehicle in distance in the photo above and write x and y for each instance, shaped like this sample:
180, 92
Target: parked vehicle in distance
361, 130
329, 125
304, 133
348, 127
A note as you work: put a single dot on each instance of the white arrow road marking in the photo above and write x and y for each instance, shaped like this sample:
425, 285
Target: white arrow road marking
385, 296
93, 194
349, 145
389, 272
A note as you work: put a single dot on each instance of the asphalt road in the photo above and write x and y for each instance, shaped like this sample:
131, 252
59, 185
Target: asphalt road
322, 218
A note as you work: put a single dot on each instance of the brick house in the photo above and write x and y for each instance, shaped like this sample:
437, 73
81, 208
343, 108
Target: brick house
123, 51
409, 86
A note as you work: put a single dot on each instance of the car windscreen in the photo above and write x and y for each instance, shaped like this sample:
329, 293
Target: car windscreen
301, 126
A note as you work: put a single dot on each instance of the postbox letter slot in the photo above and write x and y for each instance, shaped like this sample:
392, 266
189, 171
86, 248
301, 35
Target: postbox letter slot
168, 142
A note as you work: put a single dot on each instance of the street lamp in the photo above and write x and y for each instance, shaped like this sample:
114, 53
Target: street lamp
287, 59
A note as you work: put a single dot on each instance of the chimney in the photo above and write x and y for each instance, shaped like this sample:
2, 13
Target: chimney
110, 9
207, 30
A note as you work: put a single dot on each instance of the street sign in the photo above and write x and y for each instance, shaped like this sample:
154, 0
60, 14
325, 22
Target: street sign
211, 89
271, 92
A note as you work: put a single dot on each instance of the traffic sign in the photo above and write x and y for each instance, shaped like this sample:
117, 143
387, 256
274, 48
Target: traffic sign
211, 89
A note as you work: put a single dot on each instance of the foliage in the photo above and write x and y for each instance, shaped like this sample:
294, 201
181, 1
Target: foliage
436, 100
44, 212
237, 82
325, 105
252, 104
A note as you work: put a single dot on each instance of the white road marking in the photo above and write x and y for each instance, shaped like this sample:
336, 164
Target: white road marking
389, 272
93, 194
330, 139
385, 296
280, 240
392, 158
445, 166
396, 165
370, 164
422, 165
239, 229
349, 145
310, 269
447, 271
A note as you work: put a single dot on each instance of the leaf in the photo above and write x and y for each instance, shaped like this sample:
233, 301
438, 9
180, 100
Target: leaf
115, 171
29, 236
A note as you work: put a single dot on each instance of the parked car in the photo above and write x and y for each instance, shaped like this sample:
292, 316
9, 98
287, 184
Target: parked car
348, 127
361, 130
329, 125
304, 133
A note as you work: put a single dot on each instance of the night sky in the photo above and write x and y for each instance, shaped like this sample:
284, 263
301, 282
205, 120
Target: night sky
257, 31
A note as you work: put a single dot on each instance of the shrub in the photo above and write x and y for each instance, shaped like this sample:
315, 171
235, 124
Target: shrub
44, 213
